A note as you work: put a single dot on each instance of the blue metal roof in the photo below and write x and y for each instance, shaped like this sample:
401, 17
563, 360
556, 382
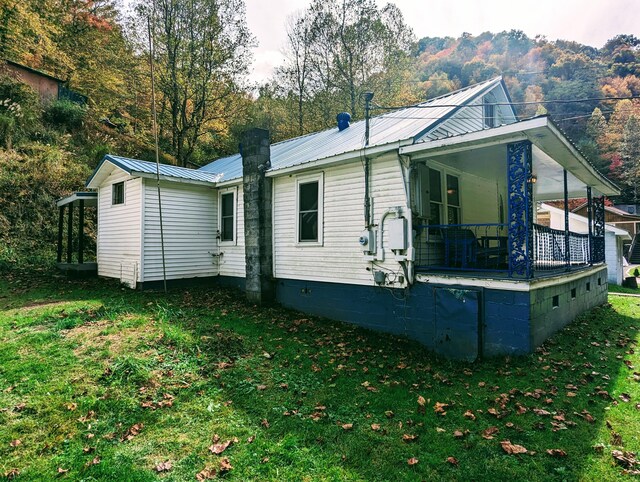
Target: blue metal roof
408, 123
166, 170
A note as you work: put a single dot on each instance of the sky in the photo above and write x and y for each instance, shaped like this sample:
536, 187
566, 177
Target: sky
591, 22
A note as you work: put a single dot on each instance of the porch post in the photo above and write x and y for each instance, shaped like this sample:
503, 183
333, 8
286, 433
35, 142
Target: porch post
567, 243
598, 229
81, 233
590, 221
60, 229
70, 233
520, 212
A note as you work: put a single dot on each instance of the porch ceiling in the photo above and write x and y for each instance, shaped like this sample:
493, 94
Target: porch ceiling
484, 154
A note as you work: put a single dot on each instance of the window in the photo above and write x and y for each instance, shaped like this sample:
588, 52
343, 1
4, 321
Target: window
309, 210
227, 216
117, 193
489, 111
435, 197
444, 208
453, 200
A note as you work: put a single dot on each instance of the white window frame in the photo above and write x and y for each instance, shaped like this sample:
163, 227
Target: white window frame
222, 192
305, 179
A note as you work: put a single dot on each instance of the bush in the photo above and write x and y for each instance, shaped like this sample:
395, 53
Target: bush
19, 111
65, 115
636, 273
7, 130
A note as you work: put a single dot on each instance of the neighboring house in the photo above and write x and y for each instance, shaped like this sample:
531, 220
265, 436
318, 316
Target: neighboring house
47, 86
427, 231
614, 238
622, 217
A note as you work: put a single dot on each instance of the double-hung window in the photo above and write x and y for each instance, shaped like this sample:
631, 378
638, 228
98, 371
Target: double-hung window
227, 216
444, 204
309, 209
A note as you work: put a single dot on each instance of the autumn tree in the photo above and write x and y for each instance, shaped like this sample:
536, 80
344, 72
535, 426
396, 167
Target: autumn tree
201, 54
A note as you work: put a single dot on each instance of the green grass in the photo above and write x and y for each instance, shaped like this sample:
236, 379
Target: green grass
84, 364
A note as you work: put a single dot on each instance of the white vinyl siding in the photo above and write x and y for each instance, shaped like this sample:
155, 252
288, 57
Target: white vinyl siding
118, 248
232, 257
190, 226
340, 259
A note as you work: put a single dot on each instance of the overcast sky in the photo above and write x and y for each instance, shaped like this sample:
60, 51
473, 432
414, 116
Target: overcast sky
590, 22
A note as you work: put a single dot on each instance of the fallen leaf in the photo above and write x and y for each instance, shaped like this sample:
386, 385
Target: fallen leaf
264, 460
616, 438
15, 443
62, 471
375, 427
347, 426
72, 406
265, 423
261, 387
439, 408
512, 449
421, 401
541, 412
219, 448
625, 397
412, 461
557, 452
625, 459
470, 415
440, 430
206, 474
489, 432
165, 466
409, 437
225, 465
389, 414
12, 474
251, 439
452, 460
131, 432
460, 433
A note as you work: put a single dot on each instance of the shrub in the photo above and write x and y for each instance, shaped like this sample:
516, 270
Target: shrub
65, 115
636, 273
7, 130
19, 110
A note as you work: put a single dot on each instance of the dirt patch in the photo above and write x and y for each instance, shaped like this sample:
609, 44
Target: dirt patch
89, 338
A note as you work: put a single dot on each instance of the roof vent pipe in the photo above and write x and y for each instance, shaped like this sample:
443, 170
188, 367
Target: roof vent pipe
343, 119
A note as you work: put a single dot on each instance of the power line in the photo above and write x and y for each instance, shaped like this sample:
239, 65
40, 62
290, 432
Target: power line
557, 101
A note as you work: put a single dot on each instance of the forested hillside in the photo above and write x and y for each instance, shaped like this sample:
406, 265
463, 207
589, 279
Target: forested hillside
205, 100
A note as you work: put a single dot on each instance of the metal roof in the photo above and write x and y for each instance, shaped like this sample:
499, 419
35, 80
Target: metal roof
406, 124
134, 166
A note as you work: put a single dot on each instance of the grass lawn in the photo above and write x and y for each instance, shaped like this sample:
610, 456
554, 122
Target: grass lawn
102, 383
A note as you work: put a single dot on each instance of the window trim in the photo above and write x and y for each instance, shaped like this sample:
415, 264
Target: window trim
113, 193
234, 229
489, 111
306, 179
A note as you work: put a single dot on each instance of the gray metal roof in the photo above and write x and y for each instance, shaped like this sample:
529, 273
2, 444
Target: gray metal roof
408, 123
166, 170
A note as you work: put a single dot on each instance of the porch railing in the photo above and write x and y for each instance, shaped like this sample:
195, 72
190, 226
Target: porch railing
550, 249
485, 248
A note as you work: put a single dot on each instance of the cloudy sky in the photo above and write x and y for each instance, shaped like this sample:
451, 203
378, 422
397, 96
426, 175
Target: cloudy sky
591, 22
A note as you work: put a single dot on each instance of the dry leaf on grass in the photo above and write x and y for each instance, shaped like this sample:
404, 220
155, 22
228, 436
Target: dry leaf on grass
132, 432
412, 461
512, 449
217, 449
375, 427
15, 443
206, 474
165, 466
62, 471
347, 426
489, 432
409, 437
557, 452
225, 465
470, 415
452, 460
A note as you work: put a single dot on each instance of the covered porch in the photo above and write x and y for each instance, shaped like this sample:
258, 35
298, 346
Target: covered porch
475, 197
72, 242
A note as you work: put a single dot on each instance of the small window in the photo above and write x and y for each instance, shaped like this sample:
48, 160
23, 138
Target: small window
489, 111
309, 209
555, 301
227, 214
573, 293
599, 281
588, 286
117, 193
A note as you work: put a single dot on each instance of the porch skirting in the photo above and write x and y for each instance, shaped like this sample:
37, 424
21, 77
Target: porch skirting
468, 319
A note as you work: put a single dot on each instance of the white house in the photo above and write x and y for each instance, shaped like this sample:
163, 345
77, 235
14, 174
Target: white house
614, 239
427, 230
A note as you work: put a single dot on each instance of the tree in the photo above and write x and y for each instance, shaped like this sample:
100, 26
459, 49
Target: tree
630, 157
201, 54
